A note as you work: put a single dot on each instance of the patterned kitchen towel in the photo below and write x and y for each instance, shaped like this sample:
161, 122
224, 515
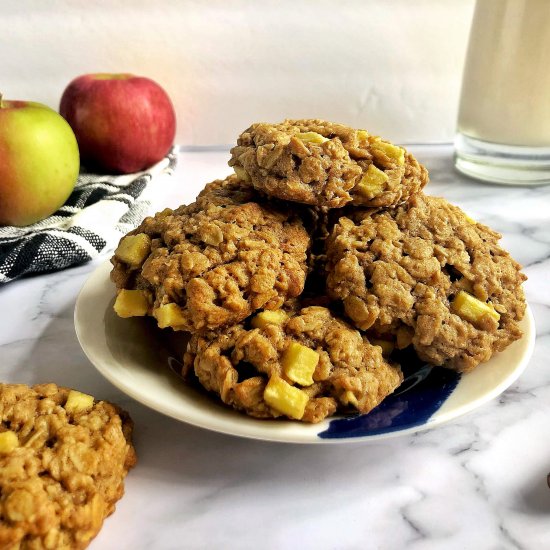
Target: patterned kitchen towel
99, 211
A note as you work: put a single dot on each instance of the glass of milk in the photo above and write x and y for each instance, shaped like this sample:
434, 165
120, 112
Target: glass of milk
504, 117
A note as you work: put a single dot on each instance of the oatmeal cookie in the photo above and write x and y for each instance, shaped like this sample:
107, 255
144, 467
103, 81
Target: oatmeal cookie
304, 365
325, 164
63, 460
427, 275
212, 263
230, 191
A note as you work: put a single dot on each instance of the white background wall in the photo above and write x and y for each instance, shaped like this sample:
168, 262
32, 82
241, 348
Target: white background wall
391, 66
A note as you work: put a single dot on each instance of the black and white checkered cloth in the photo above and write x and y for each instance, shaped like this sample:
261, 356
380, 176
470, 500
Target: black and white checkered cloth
99, 211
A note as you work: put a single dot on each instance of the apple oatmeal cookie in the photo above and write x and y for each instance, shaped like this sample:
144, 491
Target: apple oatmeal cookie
326, 164
212, 263
427, 275
303, 365
63, 460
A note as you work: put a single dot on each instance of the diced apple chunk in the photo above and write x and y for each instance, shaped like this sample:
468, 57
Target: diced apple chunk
133, 249
8, 442
391, 151
285, 398
169, 315
312, 137
372, 182
299, 363
386, 345
349, 399
241, 173
471, 309
78, 402
268, 317
131, 303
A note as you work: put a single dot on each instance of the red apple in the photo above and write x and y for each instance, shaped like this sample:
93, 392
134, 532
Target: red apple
39, 162
123, 123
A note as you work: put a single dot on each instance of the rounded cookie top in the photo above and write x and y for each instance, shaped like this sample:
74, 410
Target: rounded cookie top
212, 263
63, 460
325, 164
226, 192
304, 365
430, 276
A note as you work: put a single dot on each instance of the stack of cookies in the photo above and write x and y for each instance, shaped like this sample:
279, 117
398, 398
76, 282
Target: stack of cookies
303, 275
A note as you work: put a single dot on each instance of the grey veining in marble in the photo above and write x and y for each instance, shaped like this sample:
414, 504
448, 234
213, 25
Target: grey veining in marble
476, 483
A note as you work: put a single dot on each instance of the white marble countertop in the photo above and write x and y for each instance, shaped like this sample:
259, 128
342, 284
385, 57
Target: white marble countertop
476, 483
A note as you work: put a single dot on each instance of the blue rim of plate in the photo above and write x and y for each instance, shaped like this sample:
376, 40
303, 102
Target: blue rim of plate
428, 397
422, 394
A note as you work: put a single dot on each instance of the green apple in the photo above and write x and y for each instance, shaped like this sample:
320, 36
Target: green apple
39, 162
123, 123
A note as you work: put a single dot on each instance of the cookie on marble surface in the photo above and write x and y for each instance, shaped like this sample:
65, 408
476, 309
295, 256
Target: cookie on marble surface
427, 275
212, 263
303, 365
326, 164
63, 460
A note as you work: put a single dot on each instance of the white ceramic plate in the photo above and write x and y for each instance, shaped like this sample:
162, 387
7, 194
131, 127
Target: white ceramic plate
136, 357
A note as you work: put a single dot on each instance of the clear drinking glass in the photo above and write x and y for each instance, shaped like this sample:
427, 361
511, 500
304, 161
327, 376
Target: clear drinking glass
504, 117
